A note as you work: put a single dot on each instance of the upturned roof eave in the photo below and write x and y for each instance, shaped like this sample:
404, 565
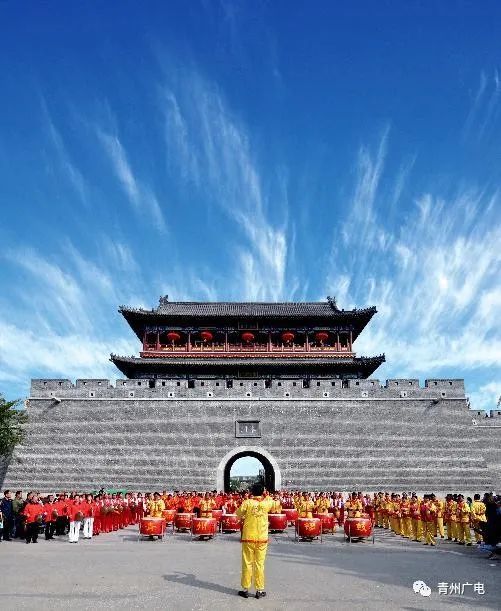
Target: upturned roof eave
137, 318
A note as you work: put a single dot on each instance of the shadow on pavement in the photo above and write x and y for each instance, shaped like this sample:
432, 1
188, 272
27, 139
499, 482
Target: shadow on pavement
189, 579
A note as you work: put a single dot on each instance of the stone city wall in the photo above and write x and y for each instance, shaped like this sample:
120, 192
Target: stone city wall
365, 436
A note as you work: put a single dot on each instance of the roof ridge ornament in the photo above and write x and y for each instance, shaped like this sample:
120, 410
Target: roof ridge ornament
332, 303
162, 302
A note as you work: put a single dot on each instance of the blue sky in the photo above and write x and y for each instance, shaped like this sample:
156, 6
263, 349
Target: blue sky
251, 150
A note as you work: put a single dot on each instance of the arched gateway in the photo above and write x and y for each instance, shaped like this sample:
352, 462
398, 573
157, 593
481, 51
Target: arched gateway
272, 475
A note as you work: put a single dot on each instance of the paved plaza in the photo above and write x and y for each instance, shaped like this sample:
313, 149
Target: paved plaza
116, 571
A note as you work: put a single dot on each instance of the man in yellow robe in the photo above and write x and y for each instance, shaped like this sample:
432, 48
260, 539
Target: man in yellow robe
463, 521
322, 503
276, 505
156, 506
417, 522
477, 516
405, 517
254, 514
207, 504
451, 518
429, 518
440, 503
353, 506
306, 506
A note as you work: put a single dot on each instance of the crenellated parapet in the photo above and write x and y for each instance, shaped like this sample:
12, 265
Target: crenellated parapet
257, 389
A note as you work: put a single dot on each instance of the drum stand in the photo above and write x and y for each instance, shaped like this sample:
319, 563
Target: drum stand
209, 537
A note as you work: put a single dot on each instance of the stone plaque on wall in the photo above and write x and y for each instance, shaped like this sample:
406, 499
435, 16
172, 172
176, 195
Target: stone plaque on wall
247, 428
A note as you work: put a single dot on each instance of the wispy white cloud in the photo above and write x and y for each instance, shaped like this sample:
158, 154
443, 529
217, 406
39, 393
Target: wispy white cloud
59, 298
139, 194
484, 110
64, 325
492, 108
26, 352
434, 277
70, 171
487, 396
213, 150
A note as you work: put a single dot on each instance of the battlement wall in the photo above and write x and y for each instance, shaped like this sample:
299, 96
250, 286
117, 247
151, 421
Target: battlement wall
250, 388
333, 434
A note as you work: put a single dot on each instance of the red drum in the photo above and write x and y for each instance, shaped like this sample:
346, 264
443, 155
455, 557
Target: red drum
182, 521
307, 528
230, 523
277, 522
152, 526
328, 521
291, 514
169, 515
217, 514
358, 527
204, 527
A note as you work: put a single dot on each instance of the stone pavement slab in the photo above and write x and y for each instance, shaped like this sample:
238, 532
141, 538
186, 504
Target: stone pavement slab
119, 571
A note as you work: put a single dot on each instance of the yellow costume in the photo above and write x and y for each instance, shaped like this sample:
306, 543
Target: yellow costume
276, 506
417, 524
155, 508
463, 522
440, 517
254, 513
406, 520
322, 505
477, 516
206, 507
451, 519
306, 507
386, 504
353, 507
430, 525
378, 518
395, 519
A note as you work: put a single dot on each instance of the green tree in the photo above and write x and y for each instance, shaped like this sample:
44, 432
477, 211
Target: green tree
11, 425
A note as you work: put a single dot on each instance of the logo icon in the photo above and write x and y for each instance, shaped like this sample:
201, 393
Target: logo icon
420, 587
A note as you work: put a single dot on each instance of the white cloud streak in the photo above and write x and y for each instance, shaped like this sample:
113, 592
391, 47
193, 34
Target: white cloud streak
434, 277
484, 110
69, 169
139, 194
213, 150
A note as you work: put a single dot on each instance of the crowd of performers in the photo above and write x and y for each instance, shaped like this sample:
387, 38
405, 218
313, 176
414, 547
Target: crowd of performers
421, 519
